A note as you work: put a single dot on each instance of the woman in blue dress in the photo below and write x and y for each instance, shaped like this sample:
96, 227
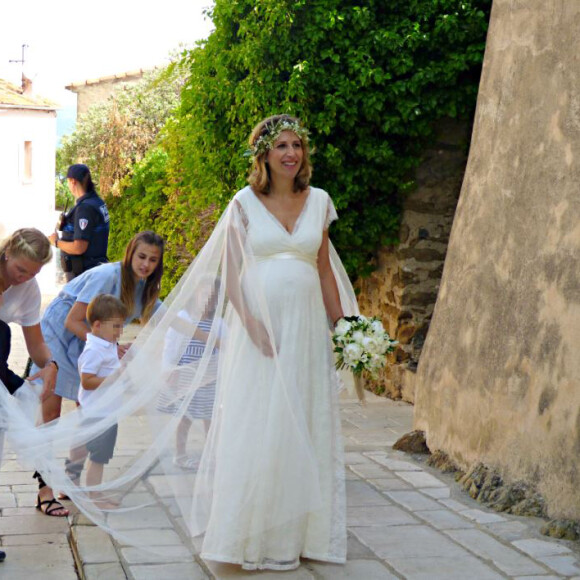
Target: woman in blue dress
135, 281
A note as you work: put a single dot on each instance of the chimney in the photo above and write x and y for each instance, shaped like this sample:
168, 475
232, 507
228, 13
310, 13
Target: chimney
26, 86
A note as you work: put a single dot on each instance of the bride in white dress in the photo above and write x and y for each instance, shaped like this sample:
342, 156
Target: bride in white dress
270, 484
284, 477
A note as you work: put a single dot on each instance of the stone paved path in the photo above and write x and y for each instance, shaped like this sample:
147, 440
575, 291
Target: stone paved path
405, 520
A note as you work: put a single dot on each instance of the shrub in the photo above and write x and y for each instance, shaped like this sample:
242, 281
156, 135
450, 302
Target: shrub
370, 79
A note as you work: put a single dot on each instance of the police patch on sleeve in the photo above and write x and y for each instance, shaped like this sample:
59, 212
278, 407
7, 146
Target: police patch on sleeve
105, 213
83, 223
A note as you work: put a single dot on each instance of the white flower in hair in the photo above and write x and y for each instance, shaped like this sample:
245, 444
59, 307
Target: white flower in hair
266, 141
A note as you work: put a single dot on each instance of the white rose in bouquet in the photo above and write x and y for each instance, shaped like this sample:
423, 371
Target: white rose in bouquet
352, 353
358, 336
343, 327
377, 327
370, 345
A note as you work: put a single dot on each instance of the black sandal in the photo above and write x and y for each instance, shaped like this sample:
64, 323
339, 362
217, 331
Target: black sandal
48, 510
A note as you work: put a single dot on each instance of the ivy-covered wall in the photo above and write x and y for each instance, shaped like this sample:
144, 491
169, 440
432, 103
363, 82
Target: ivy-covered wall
369, 79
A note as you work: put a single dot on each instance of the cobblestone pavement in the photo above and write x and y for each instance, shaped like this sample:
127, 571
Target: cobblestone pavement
405, 520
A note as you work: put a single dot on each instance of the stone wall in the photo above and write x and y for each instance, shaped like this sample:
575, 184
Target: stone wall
499, 376
403, 289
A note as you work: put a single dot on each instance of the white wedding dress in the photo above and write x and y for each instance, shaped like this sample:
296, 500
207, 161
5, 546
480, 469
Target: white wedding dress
270, 483
265, 469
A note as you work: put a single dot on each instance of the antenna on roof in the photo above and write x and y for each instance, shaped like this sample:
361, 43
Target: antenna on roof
22, 60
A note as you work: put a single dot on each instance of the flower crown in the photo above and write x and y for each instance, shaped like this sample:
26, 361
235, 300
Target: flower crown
266, 142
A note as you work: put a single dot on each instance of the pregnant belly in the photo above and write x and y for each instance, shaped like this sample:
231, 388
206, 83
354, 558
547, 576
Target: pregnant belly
285, 289
287, 280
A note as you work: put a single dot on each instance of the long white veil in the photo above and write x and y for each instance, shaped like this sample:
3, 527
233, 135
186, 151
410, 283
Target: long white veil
186, 354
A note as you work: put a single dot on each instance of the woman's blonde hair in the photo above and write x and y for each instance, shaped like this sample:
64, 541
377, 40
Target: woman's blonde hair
153, 283
259, 177
27, 243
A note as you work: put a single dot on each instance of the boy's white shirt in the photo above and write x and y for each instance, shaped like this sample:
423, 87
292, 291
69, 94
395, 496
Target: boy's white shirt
100, 358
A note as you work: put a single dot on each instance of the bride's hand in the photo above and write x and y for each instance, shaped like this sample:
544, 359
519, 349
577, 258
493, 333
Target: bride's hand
259, 336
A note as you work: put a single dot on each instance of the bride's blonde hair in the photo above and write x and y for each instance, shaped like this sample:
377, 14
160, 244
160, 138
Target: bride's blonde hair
27, 243
259, 177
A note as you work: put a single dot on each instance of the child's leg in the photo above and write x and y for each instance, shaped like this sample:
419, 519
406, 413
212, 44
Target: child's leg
101, 451
94, 473
181, 435
95, 477
74, 466
75, 463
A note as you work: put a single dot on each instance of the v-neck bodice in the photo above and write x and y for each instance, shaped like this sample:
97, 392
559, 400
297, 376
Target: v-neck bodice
267, 236
298, 219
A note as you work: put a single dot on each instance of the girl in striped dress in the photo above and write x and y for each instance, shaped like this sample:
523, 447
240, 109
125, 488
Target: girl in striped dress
188, 352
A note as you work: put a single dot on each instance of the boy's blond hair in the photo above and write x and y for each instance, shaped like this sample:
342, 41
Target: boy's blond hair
105, 307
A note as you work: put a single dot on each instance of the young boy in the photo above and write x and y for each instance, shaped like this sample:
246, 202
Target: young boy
99, 359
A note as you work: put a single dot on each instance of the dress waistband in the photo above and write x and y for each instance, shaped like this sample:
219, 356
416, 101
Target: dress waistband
289, 256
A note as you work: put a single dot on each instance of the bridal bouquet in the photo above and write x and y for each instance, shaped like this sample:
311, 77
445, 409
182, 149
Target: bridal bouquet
361, 345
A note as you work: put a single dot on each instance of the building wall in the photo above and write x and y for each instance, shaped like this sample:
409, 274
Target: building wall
27, 202
98, 92
499, 376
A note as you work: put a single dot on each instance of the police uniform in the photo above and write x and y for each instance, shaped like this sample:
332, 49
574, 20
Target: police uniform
88, 220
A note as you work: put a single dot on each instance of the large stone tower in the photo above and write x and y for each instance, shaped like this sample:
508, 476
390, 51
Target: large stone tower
499, 377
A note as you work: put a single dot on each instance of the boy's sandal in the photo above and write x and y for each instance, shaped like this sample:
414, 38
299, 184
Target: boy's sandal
48, 510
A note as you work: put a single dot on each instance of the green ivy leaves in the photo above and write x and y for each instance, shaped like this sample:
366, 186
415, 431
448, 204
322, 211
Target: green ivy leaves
369, 79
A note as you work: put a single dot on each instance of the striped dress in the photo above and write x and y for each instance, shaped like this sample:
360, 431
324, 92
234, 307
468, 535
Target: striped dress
201, 404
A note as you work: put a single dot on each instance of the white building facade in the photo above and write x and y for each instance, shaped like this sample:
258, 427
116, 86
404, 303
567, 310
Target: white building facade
27, 160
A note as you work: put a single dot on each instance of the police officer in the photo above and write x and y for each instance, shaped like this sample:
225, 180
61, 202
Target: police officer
85, 229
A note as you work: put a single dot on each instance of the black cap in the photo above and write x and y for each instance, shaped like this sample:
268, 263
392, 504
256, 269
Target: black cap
79, 171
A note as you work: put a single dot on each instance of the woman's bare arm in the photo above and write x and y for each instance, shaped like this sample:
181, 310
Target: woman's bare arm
76, 321
328, 283
41, 356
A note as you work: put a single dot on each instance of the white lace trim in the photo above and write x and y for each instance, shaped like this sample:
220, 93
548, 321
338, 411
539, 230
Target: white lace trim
268, 564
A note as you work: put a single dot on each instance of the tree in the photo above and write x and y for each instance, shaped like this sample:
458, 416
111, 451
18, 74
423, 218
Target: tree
369, 79
112, 137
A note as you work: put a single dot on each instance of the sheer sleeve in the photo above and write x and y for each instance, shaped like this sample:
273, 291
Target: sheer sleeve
331, 214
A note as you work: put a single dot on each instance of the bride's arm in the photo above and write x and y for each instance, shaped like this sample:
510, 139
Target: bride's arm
330, 292
234, 266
